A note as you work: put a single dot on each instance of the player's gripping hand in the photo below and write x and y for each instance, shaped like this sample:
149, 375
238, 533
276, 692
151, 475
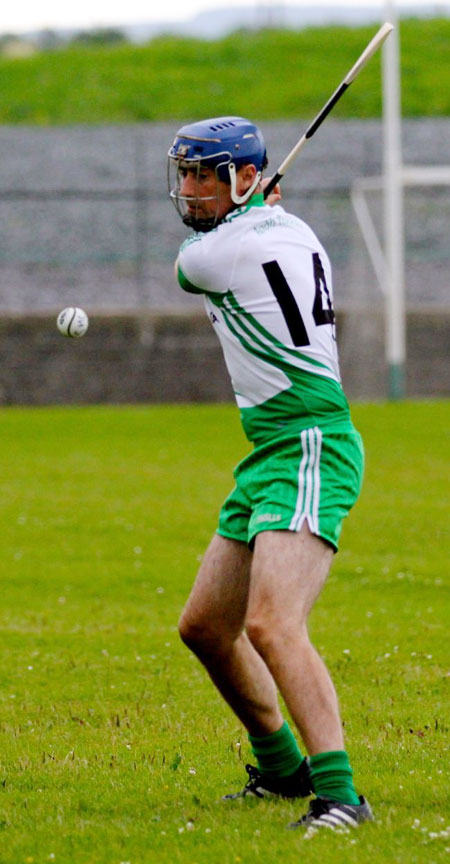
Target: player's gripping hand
275, 194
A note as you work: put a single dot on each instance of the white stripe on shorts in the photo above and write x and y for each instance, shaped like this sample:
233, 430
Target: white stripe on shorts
308, 497
316, 497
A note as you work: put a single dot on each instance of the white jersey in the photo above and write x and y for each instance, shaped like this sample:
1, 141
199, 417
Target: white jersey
268, 293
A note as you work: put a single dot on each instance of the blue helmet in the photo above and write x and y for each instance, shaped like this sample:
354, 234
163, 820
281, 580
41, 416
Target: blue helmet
235, 138
222, 143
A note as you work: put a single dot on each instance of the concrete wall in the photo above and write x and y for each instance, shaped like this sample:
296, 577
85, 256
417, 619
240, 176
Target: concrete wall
160, 357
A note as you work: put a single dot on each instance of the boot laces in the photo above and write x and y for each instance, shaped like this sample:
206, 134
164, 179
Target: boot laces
317, 807
254, 777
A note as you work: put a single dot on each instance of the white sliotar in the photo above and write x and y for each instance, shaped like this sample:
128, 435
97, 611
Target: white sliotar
73, 322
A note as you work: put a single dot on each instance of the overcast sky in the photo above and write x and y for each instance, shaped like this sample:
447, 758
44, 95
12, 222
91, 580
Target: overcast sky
37, 14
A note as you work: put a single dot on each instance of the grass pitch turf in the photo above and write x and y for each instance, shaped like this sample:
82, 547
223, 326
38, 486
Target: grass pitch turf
114, 745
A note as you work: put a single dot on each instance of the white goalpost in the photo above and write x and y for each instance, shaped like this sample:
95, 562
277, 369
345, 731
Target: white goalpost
395, 317
387, 254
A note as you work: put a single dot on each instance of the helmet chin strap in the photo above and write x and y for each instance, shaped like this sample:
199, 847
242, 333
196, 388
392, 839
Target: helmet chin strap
241, 199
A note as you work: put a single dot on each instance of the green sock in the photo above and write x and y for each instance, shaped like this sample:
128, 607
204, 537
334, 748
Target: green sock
277, 754
332, 776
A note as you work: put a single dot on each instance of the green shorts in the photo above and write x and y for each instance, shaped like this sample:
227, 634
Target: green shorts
314, 475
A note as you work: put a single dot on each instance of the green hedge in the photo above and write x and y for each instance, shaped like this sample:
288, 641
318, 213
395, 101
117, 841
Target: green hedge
268, 74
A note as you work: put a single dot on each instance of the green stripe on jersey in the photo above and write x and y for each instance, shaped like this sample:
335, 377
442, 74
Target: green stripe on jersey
256, 200
312, 399
264, 352
186, 285
270, 349
276, 342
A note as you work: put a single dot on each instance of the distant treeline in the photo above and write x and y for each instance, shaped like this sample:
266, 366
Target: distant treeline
100, 78
16, 45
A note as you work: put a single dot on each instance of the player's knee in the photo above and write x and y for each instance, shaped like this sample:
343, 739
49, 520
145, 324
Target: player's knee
261, 632
198, 635
270, 635
190, 631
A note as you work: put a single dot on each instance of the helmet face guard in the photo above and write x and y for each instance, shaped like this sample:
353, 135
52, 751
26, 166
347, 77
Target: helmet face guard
224, 144
191, 207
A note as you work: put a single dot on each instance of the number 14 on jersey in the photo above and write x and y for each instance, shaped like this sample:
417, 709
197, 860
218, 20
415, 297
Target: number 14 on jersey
322, 310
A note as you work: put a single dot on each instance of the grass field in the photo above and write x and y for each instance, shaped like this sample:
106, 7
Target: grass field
114, 746
280, 74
